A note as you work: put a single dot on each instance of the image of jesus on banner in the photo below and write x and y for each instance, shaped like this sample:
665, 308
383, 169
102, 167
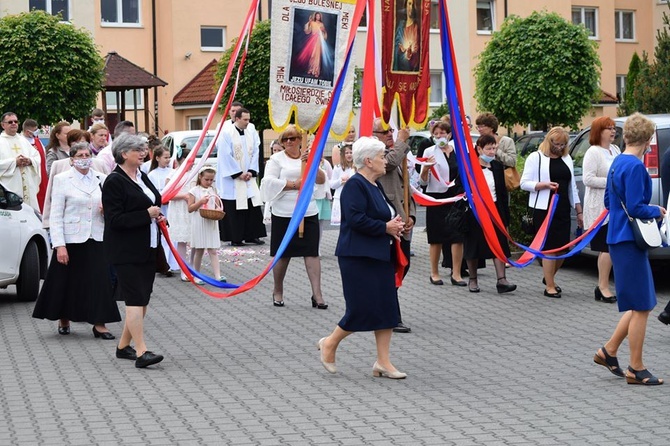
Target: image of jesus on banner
313, 47
406, 56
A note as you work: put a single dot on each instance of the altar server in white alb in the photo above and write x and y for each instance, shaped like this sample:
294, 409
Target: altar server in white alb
237, 161
19, 162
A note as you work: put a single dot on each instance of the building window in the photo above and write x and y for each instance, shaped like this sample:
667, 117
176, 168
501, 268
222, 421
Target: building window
110, 97
620, 86
120, 12
437, 97
212, 38
53, 7
364, 20
624, 25
196, 122
485, 16
587, 17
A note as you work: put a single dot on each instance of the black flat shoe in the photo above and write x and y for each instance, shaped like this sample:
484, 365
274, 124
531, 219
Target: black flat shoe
315, 304
102, 334
277, 303
504, 288
126, 352
472, 289
64, 330
436, 282
147, 359
402, 328
558, 288
255, 241
664, 317
556, 295
599, 296
236, 244
458, 282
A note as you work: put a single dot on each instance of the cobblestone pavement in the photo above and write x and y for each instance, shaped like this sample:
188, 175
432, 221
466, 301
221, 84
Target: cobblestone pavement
484, 369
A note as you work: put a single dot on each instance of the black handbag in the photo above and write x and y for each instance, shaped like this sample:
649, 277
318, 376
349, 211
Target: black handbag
457, 217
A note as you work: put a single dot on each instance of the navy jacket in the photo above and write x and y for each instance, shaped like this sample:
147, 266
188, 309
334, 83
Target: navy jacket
365, 211
127, 222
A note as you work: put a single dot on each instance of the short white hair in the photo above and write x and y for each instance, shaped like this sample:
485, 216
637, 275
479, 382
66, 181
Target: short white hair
366, 147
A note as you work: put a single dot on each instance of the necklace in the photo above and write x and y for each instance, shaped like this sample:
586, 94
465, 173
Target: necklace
291, 156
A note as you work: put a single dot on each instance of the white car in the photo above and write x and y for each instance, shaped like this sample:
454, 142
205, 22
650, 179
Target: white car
173, 139
25, 246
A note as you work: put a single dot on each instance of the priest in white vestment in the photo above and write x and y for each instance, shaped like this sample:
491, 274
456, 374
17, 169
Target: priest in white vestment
236, 181
19, 162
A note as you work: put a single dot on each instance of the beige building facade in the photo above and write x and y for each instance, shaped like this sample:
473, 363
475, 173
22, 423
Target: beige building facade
177, 39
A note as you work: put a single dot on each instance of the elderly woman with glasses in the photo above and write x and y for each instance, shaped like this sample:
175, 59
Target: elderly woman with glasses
549, 171
132, 212
366, 256
280, 186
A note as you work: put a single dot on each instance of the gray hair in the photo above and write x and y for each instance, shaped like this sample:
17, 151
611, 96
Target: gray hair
76, 147
124, 143
366, 147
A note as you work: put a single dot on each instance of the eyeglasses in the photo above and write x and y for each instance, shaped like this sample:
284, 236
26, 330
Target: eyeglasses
10, 122
289, 138
383, 132
140, 149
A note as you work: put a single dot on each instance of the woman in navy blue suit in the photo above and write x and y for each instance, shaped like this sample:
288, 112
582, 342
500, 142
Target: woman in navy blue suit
628, 184
366, 258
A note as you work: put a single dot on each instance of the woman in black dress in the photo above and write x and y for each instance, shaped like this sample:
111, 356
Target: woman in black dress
549, 171
132, 211
476, 246
366, 258
78, 286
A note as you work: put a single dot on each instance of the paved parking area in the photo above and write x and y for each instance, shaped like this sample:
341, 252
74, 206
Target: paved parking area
484, 369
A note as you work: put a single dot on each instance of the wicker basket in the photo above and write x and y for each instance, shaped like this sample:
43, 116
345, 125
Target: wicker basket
215, 213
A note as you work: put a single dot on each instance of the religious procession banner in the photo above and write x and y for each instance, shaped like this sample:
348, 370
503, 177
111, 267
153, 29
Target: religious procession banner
405, 69
309, 40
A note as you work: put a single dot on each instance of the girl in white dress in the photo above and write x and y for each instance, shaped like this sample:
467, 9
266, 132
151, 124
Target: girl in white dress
180, 219
204, 232
341, 174
159, 174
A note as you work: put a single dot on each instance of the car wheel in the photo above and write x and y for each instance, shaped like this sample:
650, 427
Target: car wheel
28, 285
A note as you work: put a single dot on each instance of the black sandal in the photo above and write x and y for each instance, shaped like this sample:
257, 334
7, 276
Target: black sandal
611, 362
504, 288
643, 377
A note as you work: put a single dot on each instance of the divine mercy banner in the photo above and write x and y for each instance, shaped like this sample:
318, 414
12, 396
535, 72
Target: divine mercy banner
405, 69
309, 40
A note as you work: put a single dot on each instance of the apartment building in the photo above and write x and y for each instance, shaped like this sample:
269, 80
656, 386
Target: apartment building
177, 40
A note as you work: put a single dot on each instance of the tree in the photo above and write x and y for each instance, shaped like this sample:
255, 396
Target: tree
652, 87
254, 88
540, 70
49, 70
628, 105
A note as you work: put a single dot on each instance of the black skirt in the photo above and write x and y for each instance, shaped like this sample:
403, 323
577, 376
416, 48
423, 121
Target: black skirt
599, 241
80, 291
435, 215
476, 246
307, 246
135, 281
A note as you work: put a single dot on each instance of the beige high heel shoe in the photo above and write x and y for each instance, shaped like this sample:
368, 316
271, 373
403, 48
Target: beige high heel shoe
380, 371
330, 366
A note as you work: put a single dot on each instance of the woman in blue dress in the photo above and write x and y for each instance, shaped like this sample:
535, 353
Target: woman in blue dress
366, 257
629, 184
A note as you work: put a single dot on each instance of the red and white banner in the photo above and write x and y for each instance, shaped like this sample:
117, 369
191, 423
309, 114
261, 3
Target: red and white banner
309, 40
405, 64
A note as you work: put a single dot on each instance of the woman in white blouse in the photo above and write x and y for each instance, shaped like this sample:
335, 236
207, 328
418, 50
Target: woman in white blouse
281, 186
597, 161
341, 174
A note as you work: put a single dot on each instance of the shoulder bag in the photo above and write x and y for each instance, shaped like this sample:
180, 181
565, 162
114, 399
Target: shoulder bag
527, 224
646, 232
